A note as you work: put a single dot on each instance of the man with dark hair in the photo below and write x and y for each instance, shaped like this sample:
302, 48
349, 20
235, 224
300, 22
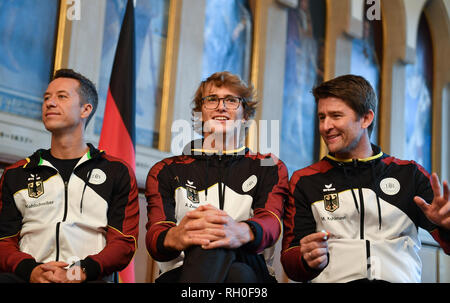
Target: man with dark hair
354, 215
86, 89
355, 91
213, 210
69, 213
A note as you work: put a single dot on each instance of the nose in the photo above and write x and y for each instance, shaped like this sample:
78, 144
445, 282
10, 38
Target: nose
221, 106
49, 102
326, 124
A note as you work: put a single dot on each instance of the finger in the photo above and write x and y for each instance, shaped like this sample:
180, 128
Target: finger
421, 203
210, 222
314, 249
435, 185
217, 244
197, 214
210, 234
190, 241
319, 263
48, 277
318, 252
446, 191
203, 241
49, 267
215, 232
207, 207
446, 223
445, 209
217, 219
310, 246
197, 225
194, 214
318, 236
53, 265
58, 263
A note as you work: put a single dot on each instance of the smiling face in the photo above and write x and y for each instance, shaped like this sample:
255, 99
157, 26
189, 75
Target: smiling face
344, 133
62, 109
221, 120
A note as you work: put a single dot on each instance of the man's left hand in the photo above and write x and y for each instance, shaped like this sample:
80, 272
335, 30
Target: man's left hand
438, 211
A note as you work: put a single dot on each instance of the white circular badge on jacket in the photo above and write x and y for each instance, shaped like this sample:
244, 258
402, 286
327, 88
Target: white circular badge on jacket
390, 186
249, 183
97, 176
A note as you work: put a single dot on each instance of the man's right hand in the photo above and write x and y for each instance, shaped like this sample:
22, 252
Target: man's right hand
314, 250
198, 227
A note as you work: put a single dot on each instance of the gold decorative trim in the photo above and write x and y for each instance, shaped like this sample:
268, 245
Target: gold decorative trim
260, 8
61, 35
170, 70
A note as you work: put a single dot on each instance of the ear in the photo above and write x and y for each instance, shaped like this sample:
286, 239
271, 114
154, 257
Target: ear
367, 119
86, 110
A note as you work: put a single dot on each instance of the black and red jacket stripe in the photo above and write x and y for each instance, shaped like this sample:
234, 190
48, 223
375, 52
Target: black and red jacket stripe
249, 187
367, 207
93, 218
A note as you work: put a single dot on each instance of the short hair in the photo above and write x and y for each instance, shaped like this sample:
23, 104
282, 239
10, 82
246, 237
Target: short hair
354, 90
230, 81
86, 89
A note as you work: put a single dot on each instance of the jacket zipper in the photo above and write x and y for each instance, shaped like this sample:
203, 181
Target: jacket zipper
63, 220
221, 191
57, 241
361, 223
84, 189
361, 214
65, 200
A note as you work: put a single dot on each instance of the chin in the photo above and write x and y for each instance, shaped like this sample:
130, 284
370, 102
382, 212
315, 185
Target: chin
49, 126
334, 149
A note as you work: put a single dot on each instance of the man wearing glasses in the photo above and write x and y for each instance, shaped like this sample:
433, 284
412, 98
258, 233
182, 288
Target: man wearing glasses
213, 210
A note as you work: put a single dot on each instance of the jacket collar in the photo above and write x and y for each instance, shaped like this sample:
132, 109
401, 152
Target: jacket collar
195, 149
377, 154
36, 159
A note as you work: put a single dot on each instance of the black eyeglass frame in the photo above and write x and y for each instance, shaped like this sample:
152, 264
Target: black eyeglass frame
241, 100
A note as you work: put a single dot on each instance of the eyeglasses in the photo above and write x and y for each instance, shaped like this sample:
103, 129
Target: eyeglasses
230, 102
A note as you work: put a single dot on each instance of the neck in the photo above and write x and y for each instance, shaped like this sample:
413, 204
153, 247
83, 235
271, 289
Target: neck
68, 146
361, 151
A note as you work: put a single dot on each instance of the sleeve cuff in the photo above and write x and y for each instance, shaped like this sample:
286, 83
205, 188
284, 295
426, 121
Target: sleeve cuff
92, 269
316, 272
25, 267
162, 250
444, 234
257, 233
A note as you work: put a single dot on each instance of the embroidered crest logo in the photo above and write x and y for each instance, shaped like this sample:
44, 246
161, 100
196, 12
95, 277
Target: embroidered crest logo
35, 187
191, 192
331, 202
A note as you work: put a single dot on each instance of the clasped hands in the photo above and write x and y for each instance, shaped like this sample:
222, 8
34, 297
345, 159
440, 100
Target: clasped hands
57, 272
209, 228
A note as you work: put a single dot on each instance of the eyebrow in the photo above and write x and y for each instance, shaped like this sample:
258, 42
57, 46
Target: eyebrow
58, 92
228, 95
330, 112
